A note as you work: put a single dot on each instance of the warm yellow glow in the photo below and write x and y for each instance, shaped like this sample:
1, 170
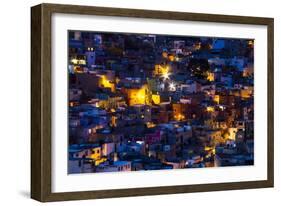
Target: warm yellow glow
210, 109
104, 82
96, 153
99, 161
165, 54
78, 61
208, 148
211, 76
246, 93
217, 99
166, 76
248, 72
78, 69
150, 124
113, 121
117, 80
179, 111
111, 103
171, 57
156, 98
197, 46
161, 70
232, 133
138, 95
179, 117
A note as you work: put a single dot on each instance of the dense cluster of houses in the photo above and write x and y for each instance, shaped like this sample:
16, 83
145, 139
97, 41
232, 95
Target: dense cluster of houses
150, 102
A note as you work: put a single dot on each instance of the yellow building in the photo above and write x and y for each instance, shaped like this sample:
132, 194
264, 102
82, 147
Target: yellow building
104, 82
210, 76
247, 92
99, 161
156, 99
161, 70
138, 95
210, 109
96, 156
217, 99
111, 103
179, 111
232, 133
96, 153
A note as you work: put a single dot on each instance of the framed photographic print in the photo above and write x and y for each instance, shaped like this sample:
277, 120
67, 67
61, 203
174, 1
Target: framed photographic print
132, 102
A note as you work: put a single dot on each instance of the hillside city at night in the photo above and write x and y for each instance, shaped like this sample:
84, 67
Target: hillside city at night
155, 102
